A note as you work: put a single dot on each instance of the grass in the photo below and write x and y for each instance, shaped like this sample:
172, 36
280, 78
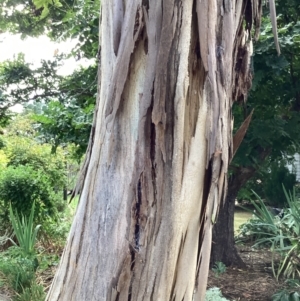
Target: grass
240, 217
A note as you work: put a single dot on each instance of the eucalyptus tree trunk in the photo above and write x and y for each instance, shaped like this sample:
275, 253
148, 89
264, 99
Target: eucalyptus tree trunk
156, 167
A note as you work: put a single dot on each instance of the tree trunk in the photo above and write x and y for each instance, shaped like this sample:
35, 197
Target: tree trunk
223, 247
157, 161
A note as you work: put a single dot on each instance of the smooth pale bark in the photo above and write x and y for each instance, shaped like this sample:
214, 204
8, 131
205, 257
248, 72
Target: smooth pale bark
156, 166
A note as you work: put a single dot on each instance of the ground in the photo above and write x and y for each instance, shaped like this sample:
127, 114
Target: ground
255, 283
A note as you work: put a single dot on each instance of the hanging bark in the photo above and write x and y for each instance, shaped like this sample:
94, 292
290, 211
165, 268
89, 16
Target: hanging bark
156, 166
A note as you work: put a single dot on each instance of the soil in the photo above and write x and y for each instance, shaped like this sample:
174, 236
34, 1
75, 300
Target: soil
255, 283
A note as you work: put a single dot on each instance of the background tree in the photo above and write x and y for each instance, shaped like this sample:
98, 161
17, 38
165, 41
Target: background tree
157, 161
71, 99
273, 133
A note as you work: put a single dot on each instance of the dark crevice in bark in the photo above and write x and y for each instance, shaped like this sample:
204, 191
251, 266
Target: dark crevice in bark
137, 21
145, 4
153, 287
206, 187
172, 78
82, 245
137, 215
132, 265
249, 15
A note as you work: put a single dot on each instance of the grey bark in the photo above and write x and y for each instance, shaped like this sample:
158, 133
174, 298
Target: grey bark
156, 166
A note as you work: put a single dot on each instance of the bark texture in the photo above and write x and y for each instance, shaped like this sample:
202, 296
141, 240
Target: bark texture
156, 167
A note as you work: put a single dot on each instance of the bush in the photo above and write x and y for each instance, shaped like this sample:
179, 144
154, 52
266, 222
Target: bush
281, 234
22, 185
28, 153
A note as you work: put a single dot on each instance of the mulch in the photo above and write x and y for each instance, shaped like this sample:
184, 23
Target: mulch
255, 283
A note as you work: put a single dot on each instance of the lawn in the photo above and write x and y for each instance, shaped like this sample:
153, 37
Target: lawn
240, 217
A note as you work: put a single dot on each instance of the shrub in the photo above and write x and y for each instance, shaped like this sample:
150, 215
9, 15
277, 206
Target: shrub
29, 153
22, 185
281, 234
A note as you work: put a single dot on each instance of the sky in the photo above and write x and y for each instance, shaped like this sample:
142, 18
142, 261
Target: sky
36, 49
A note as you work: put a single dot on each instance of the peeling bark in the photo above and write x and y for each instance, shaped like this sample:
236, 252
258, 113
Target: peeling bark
156, 167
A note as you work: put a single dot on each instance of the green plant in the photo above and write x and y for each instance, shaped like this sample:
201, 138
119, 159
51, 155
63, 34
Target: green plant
219, 268
35, 292
285, 295
214, 294
18, 272
262, 227
21, 186
289, 265
282, 235
24, 231
27, 152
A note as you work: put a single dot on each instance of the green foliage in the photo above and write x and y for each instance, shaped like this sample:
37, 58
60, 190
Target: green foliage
63, 106
59, 124
33, 293
21, 186
268, 184
57, 19
273, 133
282, 235
219, 268
285, 295
74, 95
261, 227
39, 158
20, 82
23, 149
71, 95
44, 6
290, 293
2, 143
18, 272
24, 231
214, 294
